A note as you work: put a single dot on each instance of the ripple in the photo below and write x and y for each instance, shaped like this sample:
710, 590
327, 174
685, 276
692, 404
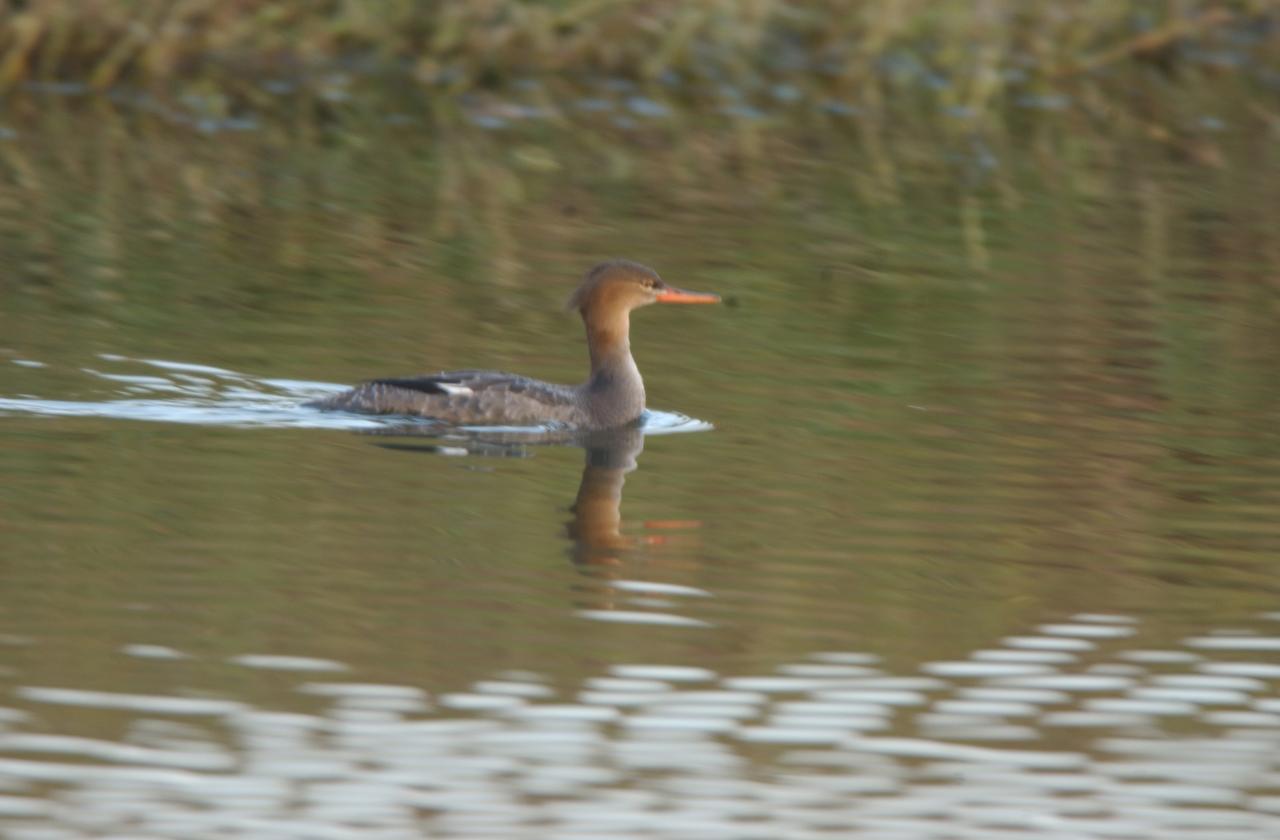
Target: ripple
1234, 718
363, 691
1104, 618
1020, 695
1070, 682
820, 708
682, 723
222, 397
630, 684
638, 617
844, 723
1188, 694
659, 588
983, 669
1247, 643
146, 703
773, 684
825, 671
564, 711
1237, 683
1048, 643
152, 652
1262, 670
1159, 657
841, 657
992, 708
802, 734
1047, 657
386, 698
1141, 706
20, 806
653, 750
884, 697
657, 422
12, 715
272, 662
206, 758
527, 690
1091, 631
667, 673
716, 697
464, 701
620, 699
736, 711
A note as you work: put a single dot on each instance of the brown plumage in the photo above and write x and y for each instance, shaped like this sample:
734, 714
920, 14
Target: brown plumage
612, 395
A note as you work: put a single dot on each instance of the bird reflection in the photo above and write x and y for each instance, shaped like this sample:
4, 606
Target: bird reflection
595, 529
596, 526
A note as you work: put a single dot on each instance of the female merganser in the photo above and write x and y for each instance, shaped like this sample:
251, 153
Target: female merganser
613, 394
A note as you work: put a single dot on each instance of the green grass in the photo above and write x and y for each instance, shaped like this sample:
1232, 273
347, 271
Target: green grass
978, 46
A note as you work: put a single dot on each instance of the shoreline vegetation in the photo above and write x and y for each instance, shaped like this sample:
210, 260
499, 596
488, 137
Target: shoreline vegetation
972, 56
1137, 86
355, 188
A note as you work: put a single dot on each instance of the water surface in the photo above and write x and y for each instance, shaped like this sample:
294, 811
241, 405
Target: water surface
975, 535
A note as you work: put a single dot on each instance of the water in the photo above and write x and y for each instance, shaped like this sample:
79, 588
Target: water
181, 392
974, 534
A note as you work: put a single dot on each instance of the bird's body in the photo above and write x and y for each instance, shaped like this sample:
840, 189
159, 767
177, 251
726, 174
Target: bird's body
613, 394
466, 397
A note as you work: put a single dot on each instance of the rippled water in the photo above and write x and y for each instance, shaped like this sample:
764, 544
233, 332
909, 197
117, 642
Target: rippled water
1178, 741
180, 392
976, 535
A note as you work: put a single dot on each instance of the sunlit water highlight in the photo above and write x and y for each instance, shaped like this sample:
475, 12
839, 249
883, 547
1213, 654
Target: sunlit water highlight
1182, 744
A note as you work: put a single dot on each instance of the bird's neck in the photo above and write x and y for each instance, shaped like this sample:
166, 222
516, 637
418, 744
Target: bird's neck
608, 340
614, 389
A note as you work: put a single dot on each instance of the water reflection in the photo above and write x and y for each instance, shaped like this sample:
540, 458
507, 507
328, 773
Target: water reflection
596, 526
922, 461
599, 545
1118, 739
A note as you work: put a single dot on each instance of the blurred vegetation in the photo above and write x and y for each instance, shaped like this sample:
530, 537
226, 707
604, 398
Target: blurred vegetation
972, 53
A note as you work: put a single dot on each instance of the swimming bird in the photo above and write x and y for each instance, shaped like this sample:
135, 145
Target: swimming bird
611, 396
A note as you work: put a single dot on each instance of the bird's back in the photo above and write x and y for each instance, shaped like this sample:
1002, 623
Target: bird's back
465, 397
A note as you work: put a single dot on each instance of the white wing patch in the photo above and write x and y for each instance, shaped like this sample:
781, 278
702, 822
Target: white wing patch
454, 390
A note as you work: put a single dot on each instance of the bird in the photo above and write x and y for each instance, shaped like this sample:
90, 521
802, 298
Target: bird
612, 395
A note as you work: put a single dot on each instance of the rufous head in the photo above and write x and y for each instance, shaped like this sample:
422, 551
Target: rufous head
623, 285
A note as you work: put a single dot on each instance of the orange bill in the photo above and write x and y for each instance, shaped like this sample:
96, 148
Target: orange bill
674, 295
673, 524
